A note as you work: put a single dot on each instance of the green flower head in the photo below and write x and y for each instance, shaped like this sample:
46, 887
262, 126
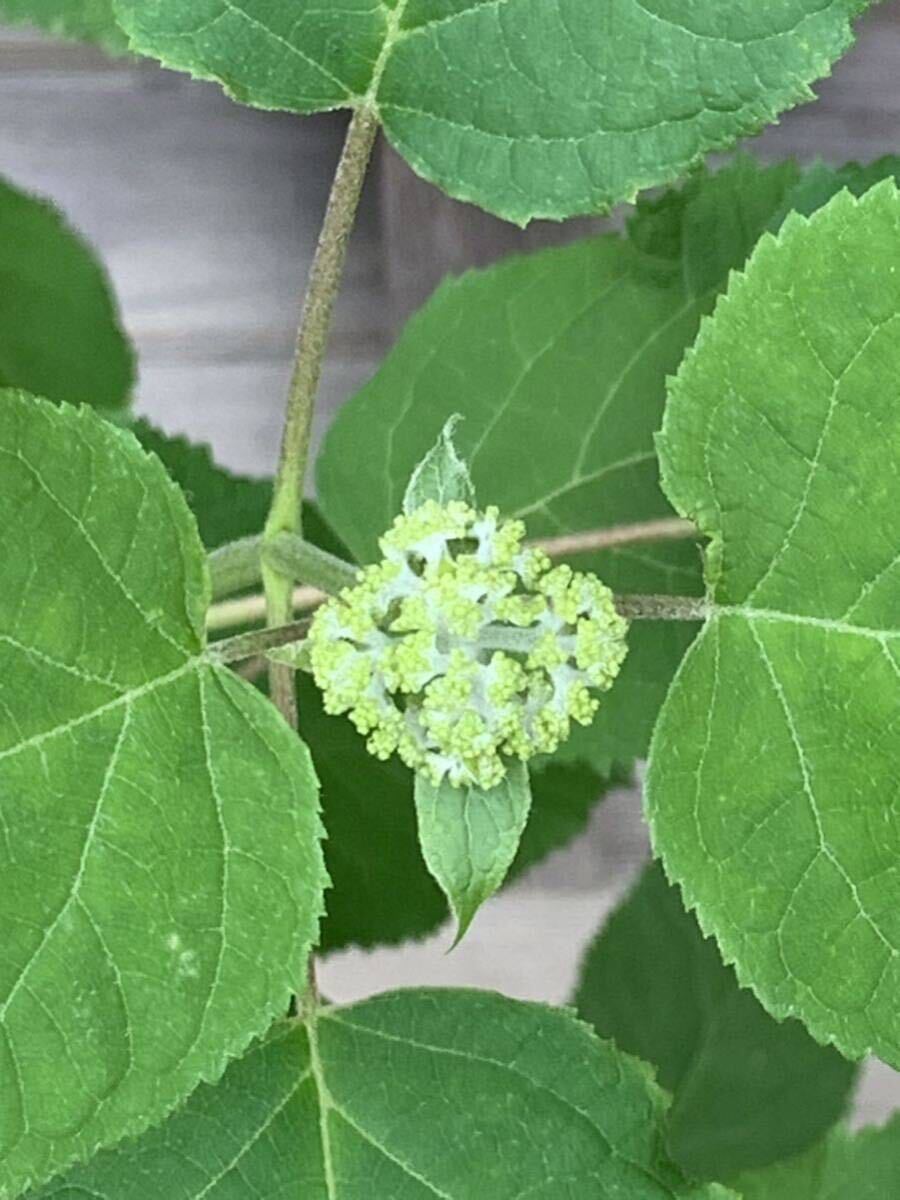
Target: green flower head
462, 649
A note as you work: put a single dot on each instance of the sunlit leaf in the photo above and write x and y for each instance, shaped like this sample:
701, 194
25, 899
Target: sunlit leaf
159, 828
774, 767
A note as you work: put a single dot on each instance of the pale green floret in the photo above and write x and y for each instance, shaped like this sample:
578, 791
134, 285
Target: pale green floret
407, 652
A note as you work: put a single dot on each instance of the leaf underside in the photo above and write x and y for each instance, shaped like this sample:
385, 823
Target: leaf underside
773, 779
411, 1095
529, 108
159, 832
747, 1090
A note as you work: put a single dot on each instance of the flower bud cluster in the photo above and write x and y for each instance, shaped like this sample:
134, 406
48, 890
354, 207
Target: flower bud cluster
411, 652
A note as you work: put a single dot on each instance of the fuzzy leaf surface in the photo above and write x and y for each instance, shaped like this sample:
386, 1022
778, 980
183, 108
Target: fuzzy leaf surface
774, 766
469, 837
746, 1089
411, 1095
529, 108
159, 827
846, 1166
557, 363
60, 334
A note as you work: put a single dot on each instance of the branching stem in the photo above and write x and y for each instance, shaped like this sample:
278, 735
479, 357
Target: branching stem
495, 637
312, 340
239, 565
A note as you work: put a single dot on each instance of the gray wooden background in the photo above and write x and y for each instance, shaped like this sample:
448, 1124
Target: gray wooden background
206, 215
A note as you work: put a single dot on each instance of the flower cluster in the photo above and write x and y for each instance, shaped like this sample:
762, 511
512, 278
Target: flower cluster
462, 649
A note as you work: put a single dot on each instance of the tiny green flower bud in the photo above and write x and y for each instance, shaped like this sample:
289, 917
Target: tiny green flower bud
407, 652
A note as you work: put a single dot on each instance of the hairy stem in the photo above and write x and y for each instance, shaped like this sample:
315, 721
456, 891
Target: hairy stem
249, 645
312, 340
298, 560
241, 562
663, 608
235, 567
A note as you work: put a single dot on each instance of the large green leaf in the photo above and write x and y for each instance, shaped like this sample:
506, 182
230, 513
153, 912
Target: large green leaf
774, 769
747, 1090
526, 107
451, 1094
86, 20
861, 1166
159, 828
558, 363
60, 334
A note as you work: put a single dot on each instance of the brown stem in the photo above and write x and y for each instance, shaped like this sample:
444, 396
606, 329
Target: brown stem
664, 529
663, 608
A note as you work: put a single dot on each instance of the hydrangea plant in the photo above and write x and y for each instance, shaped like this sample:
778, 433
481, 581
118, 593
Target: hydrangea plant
462, 649
239, 731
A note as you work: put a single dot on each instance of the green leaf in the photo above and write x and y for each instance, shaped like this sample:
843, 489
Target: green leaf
84, 20
381, 890
227, 506
410, 1095
159, 827
746, 1090
60, 334
469, 837
441, 476
820, 182
566, 351
775, 761
368, 805
529, 108
861, 1166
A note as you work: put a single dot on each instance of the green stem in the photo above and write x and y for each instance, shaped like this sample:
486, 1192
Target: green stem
312, 340
511, 638
241, 561
298, 560
235, 567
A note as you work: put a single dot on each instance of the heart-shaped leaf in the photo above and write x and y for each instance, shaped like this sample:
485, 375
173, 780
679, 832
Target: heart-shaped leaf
773, 780
159, 828
527, 107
